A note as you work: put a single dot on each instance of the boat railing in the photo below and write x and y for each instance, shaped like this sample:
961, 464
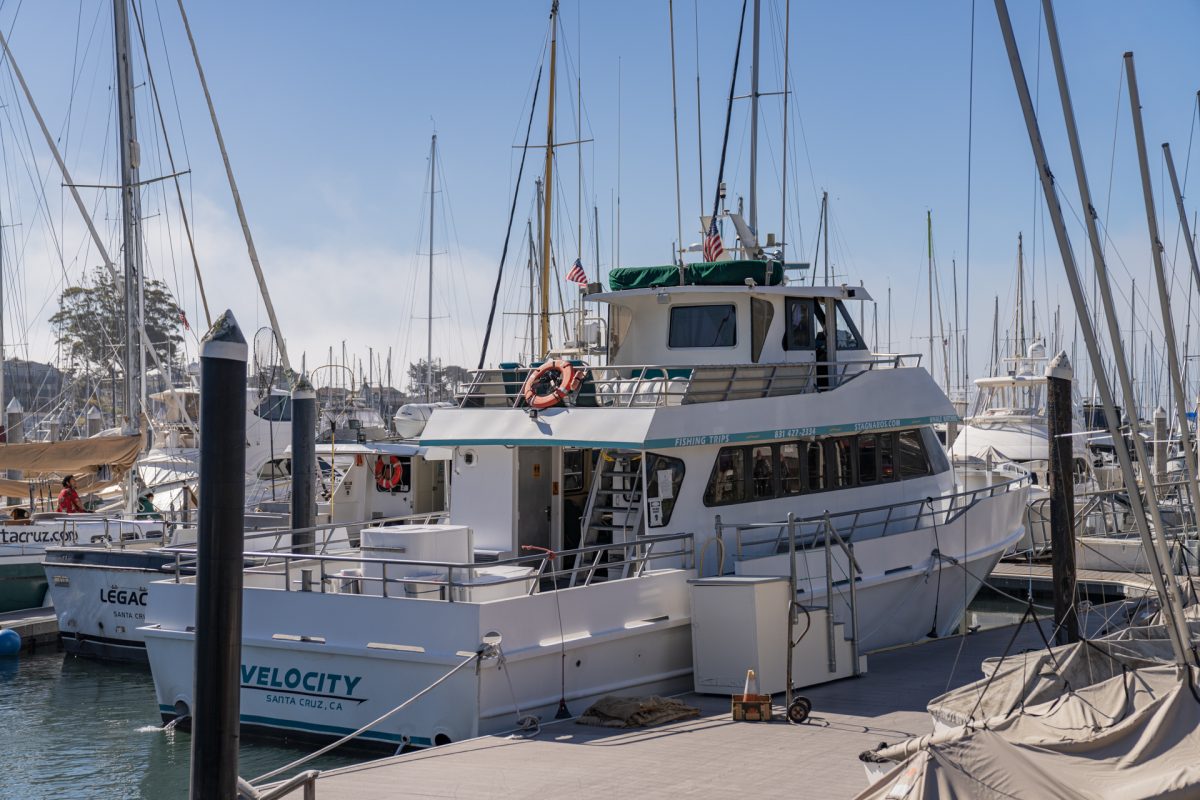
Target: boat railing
641, 386
347, 573
860, 524
327, 537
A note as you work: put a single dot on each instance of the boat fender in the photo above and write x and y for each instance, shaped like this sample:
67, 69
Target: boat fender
559, 376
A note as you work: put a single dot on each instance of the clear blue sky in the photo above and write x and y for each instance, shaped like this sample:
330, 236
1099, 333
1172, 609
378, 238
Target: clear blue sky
327, 111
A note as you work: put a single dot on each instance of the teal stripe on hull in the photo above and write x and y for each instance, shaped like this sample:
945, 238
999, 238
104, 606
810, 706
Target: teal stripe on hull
21, 586
311, 727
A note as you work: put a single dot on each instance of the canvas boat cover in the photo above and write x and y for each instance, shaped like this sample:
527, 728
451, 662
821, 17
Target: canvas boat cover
1106, 718
715, 273
79, 457
1136, 735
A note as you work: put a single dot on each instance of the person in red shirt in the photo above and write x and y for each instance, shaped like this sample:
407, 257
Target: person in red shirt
68, 498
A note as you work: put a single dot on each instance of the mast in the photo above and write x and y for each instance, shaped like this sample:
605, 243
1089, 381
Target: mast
1155, 547
825, 230
929, 265
754, 122
533, 277
1164, 299
429, 297
130, 217
549, 187
1187, 236
678, 257
1019, 344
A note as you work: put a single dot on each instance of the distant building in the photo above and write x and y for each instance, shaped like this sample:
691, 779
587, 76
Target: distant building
37, 386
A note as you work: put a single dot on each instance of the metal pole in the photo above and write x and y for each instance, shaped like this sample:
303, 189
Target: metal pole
829, 622
304, 464
787, 71
130, 213
791, 609
1161, 446
1160, 278
675, 121
549, 188
1062, 497
215, 712
429, 304
1183, 220
754, 123
1154, 548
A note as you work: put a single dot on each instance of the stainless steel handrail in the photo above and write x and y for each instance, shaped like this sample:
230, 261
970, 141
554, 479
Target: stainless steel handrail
641, 385
637, 553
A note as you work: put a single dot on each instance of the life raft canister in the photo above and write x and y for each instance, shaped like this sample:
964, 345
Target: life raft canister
549, 384
388, 474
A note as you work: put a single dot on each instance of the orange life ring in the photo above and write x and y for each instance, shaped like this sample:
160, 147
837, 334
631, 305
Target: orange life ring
388, 475
569, 379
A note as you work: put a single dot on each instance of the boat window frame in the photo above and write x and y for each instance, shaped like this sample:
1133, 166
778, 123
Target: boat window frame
731, 305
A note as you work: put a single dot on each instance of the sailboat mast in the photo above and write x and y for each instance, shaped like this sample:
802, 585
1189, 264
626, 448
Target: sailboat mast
549, 186
754, 122
130, 214
429, 298
929, 265
533, 277
1019, 345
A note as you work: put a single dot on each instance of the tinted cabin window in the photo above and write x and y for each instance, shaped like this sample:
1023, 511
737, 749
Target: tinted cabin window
761, 314
887, 456
728, 481
868, 454
913, 463
789, 469
762, 472
842, 462
798, 324
814, 466
703, 326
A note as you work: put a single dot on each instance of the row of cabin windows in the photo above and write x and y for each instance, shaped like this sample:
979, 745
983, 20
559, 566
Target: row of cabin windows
805, 329
751, 473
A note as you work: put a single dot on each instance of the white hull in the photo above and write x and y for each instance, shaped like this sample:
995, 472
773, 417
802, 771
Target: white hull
626, 636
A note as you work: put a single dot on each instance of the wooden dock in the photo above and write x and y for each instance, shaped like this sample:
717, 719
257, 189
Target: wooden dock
38, 627
706, 757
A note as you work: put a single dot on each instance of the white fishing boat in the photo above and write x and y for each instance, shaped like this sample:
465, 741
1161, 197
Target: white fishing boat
733, 400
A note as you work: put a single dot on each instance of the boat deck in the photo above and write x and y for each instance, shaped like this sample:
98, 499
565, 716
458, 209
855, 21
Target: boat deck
706, 757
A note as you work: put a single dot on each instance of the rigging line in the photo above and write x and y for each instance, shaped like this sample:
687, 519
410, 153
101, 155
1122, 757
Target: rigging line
487, 334
183, 215
737, 54
237, 197
675, 123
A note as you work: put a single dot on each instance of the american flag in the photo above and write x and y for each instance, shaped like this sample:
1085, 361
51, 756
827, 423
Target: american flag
713, 249
577, 275
183, 319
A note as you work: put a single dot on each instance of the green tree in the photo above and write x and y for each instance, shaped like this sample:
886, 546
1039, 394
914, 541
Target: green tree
91, 321
447, 380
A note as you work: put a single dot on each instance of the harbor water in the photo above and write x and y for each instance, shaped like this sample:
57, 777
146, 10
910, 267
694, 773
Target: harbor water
78, 728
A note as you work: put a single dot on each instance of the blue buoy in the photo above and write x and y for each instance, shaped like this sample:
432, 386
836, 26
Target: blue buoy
10, 642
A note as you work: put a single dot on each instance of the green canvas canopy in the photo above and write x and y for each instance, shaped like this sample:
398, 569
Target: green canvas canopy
718, 273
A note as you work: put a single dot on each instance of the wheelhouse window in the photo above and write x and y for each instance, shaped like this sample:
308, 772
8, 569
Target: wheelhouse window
798, 323
703, 326
761, 314
848, 337
664, 477
750, 473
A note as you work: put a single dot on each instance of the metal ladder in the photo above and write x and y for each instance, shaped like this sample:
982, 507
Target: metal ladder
614, 507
